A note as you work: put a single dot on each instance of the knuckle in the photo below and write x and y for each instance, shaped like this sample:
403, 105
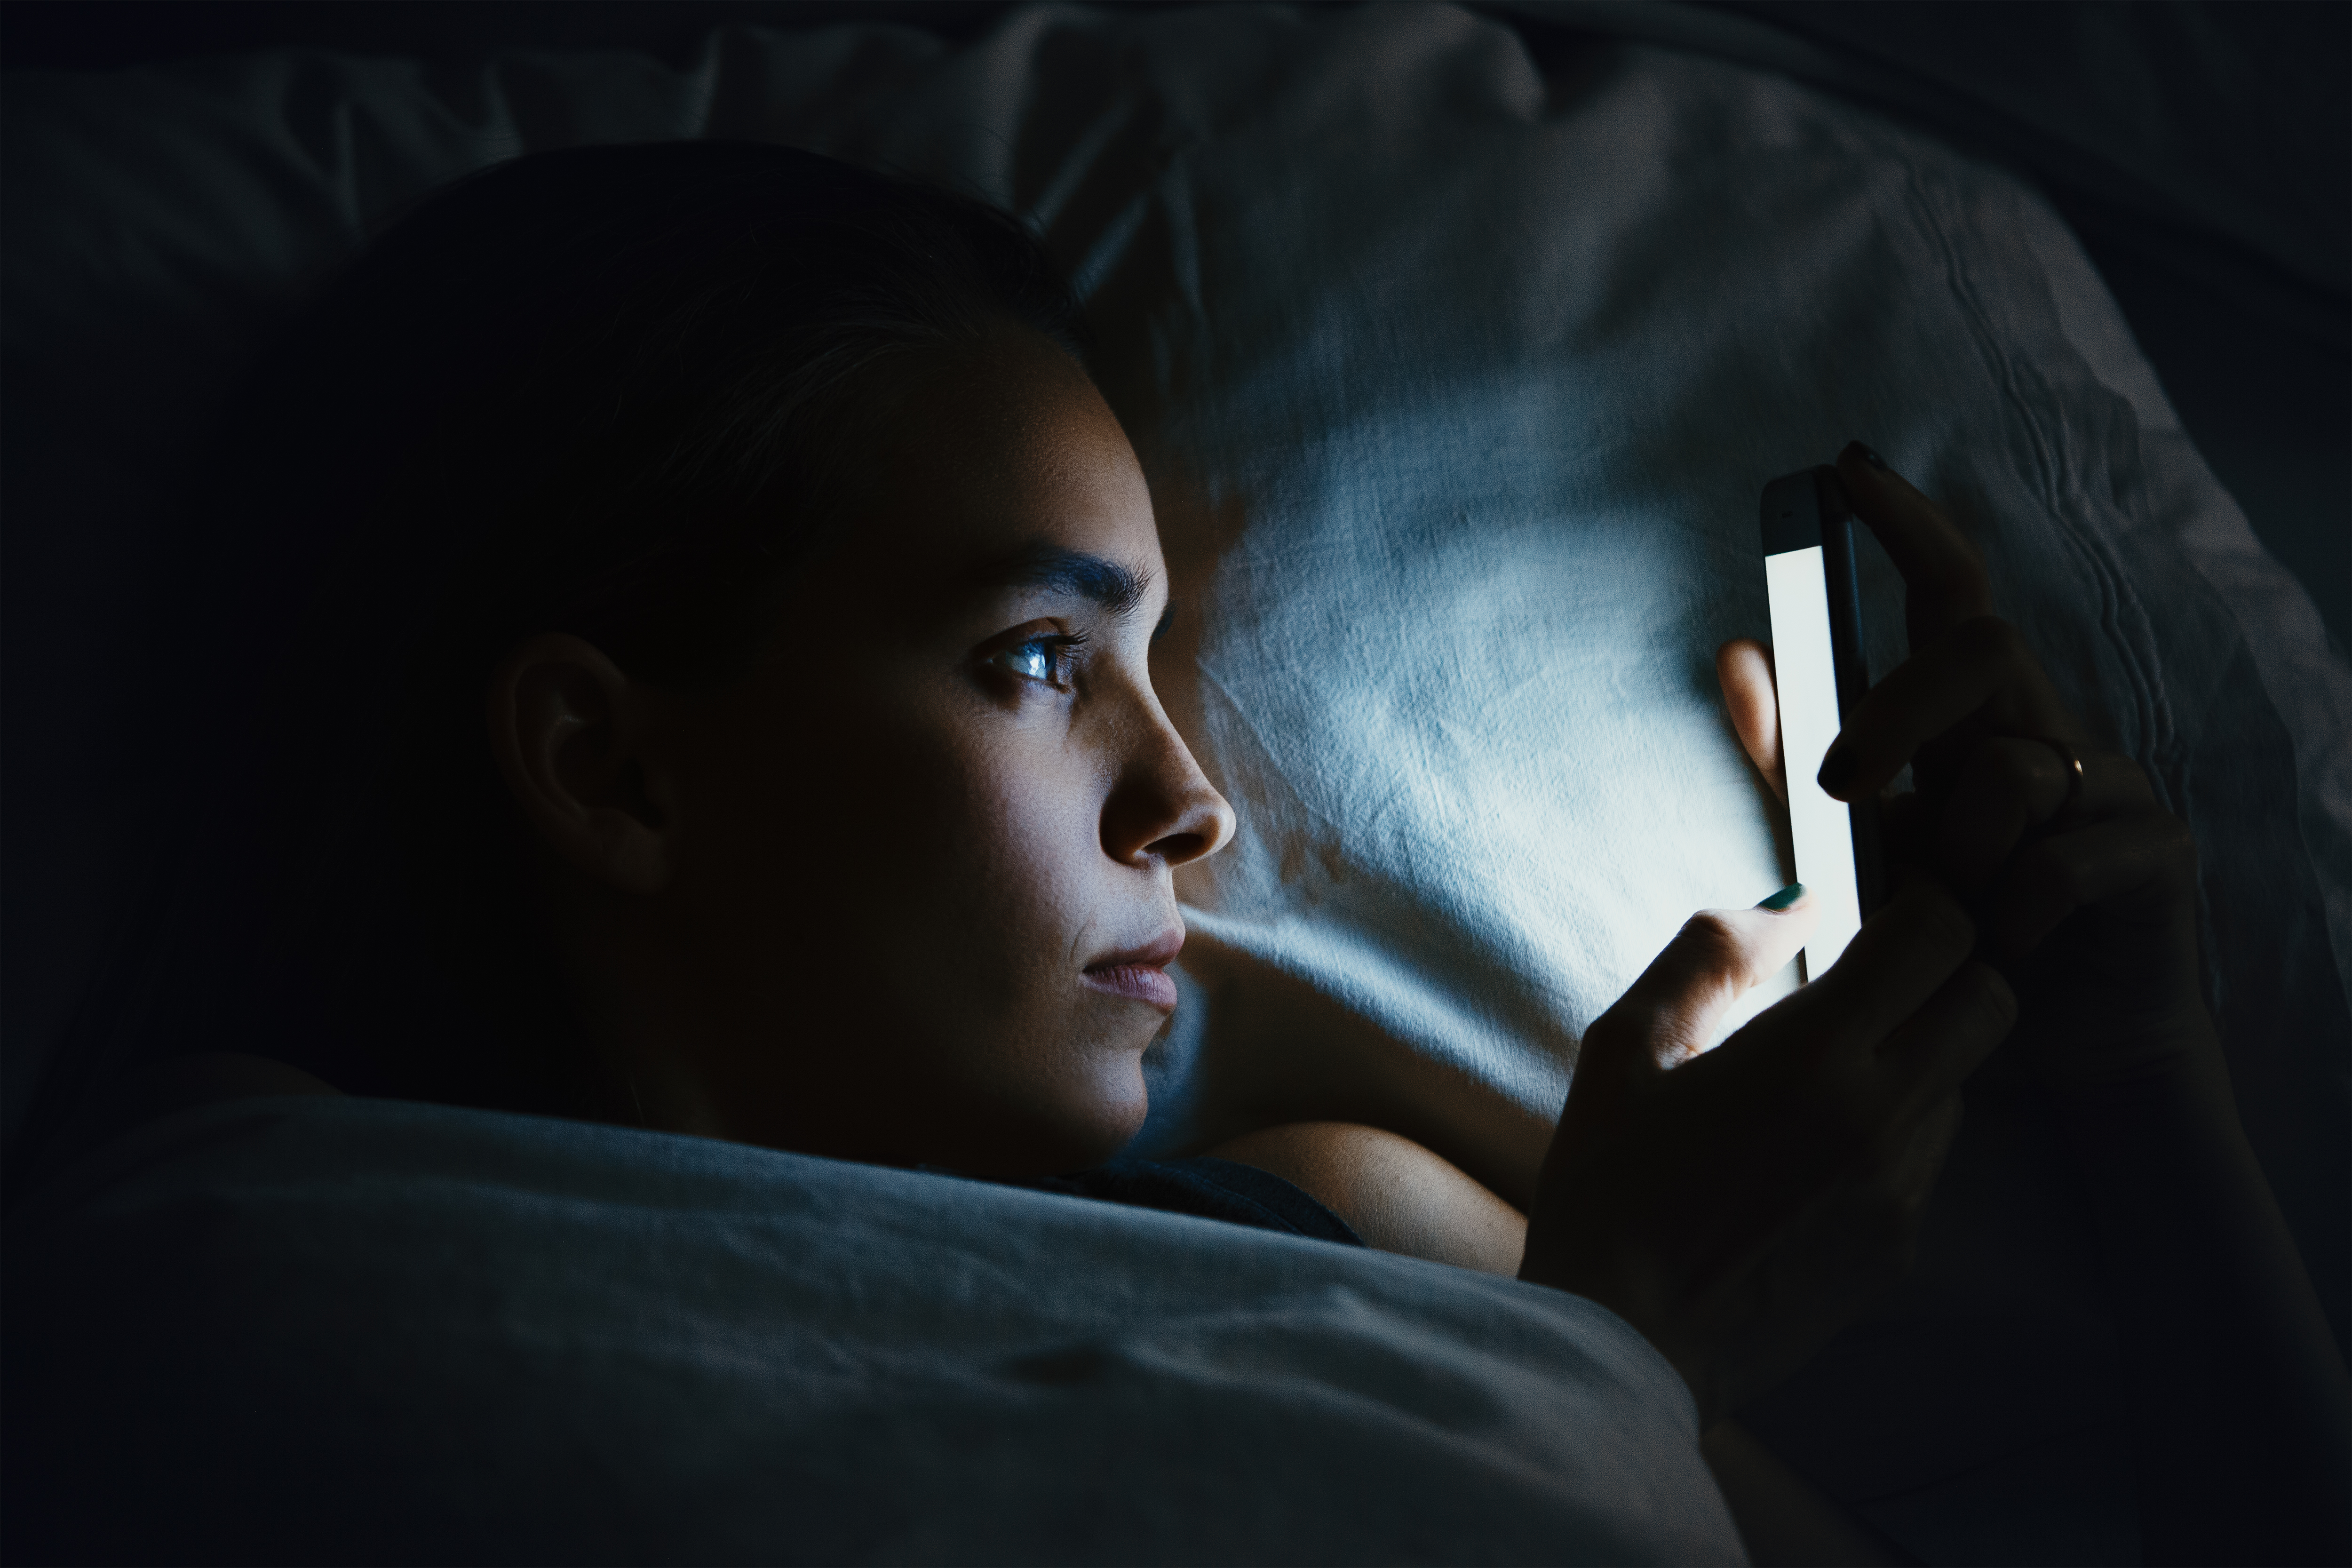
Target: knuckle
1608, 1045
1944, 924
2064, 874
2053, 866
2007, 765
1714, 943
1600, 1035
1989, 995
1708, 929
2029, 764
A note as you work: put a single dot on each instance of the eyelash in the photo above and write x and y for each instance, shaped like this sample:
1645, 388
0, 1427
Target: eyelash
1058, 649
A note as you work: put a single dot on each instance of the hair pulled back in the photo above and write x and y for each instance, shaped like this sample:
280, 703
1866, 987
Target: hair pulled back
620, 392
624, 376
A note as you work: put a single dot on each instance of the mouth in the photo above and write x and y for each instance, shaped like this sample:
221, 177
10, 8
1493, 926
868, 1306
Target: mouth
1139, 974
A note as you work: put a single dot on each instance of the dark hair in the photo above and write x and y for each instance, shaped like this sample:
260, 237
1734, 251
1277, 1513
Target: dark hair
619, 392
630, 372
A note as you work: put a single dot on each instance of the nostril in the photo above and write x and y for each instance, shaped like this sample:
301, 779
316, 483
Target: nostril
1164, 810
1178, 848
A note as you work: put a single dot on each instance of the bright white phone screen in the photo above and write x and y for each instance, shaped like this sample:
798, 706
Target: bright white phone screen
1807, 679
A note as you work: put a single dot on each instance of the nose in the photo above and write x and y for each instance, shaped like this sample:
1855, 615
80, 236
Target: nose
1161, 806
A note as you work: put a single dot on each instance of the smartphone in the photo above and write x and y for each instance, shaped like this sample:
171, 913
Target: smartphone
1819, 670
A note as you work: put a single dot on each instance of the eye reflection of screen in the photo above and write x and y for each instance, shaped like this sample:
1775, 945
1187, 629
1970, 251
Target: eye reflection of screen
1821, 827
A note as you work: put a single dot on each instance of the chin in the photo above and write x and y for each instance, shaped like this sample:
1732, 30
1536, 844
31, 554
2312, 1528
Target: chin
1102, 1119
1128, 1120
1106, 1124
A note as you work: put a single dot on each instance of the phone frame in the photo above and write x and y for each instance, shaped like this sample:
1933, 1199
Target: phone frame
1800, 510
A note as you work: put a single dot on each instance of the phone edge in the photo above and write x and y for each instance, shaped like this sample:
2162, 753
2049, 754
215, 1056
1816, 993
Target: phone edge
1843, 581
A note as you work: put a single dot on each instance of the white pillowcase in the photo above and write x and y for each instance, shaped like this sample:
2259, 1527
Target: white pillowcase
1456, 381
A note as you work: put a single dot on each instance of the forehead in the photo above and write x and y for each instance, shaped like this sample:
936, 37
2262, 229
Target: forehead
1000, 461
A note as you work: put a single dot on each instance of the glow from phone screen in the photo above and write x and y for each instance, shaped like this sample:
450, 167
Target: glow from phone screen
1807, 679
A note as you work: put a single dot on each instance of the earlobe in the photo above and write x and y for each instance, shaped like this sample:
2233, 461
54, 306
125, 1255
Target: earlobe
568, 730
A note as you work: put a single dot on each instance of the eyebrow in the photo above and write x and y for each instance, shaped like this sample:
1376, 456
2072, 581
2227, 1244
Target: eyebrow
1116, 588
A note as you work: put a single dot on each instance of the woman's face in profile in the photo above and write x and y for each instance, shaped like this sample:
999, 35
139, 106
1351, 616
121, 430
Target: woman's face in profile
915, 898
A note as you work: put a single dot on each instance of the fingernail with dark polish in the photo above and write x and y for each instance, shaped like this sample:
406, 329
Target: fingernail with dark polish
1837, 771
1872, 458
1784, 898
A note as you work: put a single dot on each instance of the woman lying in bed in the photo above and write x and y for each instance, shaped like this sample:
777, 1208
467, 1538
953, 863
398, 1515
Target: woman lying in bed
782, 764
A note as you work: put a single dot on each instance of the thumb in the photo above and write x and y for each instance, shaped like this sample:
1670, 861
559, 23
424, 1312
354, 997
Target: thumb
1668, 1015
1744, 667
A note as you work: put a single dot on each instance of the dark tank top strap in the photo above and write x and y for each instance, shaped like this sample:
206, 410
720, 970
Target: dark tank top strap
1211, 1188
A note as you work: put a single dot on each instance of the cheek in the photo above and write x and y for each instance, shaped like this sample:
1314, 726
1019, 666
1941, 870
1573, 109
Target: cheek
1025, 825
886, 840
997, 866
903, 907
1007, 883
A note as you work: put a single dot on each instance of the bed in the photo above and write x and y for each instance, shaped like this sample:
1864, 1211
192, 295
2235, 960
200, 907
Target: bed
1457, 351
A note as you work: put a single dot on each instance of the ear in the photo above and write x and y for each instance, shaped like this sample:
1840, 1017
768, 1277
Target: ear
569, 731
1744, 666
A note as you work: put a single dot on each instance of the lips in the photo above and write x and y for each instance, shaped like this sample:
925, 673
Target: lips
1139, 974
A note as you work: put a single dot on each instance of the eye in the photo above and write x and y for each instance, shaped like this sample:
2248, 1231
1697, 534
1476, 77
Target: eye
1050, 659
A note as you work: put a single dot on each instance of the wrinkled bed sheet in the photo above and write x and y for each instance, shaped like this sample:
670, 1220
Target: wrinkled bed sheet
1456, 373
362, 1330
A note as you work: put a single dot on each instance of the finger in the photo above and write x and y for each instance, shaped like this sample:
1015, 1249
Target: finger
1668, 1015
1883, 1202
1910, 1176
1943, 572
2148, 860
2007, 785
1911, 1159
1904, 823
1892, 966
1857, 1235
1939, 1046
1981, 667
1744, 667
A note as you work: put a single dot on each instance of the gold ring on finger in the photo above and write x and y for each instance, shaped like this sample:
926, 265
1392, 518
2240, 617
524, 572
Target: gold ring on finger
2073, 765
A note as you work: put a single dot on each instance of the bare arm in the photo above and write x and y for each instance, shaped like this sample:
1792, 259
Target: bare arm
1396, 1194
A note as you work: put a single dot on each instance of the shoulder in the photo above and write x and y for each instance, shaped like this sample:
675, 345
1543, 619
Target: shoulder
1396, 1194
